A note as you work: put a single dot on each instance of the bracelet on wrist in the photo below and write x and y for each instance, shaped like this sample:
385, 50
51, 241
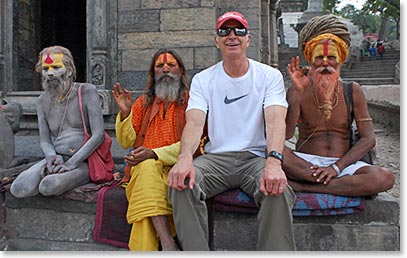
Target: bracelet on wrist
335, 167
276, 155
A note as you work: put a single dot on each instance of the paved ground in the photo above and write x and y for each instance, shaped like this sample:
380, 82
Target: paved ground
389, 154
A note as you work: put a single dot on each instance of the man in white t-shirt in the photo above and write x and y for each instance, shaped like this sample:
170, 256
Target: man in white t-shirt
243, 102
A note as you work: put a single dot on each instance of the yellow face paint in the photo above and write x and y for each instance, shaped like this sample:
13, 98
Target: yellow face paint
325, 49
51, 61
165, 59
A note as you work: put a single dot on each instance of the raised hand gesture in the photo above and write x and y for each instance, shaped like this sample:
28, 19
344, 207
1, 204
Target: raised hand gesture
123, 99
300, 77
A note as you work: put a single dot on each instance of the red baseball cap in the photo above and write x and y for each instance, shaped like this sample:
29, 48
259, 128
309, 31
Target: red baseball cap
232, 16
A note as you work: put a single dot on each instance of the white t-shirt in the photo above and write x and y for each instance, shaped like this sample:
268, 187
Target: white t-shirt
234, 106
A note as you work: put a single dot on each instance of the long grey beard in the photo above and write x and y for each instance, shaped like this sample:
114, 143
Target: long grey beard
167, 89
55, 89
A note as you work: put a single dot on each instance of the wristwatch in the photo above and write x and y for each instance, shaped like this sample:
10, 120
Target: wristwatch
276, 155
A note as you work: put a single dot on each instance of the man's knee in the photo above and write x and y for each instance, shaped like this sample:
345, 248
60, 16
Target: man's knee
379, 176
50, 185
20, 190
386, 177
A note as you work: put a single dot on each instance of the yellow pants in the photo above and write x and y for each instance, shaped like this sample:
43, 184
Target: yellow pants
147, 194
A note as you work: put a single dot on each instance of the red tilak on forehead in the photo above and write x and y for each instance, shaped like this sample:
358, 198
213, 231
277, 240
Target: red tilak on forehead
48, 59
325, 51
165, 57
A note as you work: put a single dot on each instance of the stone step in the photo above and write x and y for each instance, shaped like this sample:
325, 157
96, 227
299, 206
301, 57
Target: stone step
58, 223
381, 72
376, 229
371, 81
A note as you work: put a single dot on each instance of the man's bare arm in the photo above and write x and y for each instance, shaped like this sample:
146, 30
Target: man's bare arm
274, 180
191, 136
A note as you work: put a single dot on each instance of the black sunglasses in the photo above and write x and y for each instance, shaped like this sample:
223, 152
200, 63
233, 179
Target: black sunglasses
223, 32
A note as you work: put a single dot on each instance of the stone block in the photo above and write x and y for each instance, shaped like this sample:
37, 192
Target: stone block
28, 100
237, 4
375, 229
208, 3
205, 57
128, 4
188, 19
138, 21
156, 40
169, 4
49, 225
136, 60
41, 245
187, 55
133, 80
346, 237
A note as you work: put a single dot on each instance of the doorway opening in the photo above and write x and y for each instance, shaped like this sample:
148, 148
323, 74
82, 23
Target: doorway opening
64, 23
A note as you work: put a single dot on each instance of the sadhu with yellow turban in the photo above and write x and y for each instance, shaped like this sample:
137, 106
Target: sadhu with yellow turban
324, 160
322, 29
325, 38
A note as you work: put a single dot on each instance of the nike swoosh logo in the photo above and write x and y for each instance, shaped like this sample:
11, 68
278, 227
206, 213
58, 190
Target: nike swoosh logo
228, 101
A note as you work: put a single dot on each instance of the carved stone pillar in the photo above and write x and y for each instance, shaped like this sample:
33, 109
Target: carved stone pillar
6, 57
101, 43
264, 47
101, 67
273, 34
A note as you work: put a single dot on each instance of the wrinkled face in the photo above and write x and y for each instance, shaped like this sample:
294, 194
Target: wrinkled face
53, 70
232, 45
166, 67
167, 77
325, 54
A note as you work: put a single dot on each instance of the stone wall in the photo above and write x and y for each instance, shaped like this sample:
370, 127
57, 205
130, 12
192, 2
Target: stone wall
186, 26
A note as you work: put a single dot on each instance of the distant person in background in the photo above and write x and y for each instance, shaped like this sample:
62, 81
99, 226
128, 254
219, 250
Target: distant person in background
380, 49
372, 51
367, 47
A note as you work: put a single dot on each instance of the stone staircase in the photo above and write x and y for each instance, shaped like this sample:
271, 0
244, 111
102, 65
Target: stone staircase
373, 70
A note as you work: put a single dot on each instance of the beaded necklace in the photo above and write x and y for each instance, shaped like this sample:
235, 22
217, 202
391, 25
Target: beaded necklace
326, 106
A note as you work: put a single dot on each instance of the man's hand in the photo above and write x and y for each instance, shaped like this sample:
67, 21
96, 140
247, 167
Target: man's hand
323, 174
123, 99
138, 155
53, 165
179, 172
273, 180
300, 77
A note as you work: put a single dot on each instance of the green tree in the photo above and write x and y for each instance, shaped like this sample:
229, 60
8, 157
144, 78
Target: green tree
331, 5
368, 23
388, 10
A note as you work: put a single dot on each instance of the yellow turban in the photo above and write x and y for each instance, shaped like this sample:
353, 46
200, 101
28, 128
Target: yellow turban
341, 46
